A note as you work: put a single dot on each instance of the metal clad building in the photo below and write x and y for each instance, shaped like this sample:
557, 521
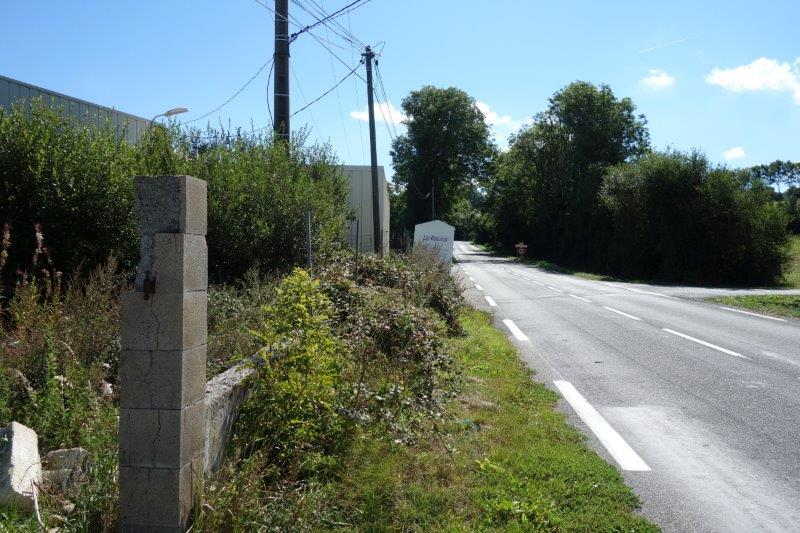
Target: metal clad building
13, 91
360, 233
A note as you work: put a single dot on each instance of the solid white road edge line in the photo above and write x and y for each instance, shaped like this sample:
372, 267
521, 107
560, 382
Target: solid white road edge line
478, 287
704, 343
515, 330
753, 314
640, 291
581, 298
620, 450
621, 313
490, 301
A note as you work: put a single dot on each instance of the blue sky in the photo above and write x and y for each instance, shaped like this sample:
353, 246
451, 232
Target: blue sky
723, 77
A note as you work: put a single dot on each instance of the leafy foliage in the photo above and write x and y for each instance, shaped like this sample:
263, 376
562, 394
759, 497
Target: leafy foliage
676, 217
293, 411
547, 189
447, 149
76, 182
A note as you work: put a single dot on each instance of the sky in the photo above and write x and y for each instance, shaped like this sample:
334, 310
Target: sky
721, 77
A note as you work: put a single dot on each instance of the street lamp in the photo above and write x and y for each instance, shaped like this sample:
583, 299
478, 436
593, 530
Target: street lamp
171, 112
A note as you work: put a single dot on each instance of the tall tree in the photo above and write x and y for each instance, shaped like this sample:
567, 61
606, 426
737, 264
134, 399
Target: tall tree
446, 151
547, 190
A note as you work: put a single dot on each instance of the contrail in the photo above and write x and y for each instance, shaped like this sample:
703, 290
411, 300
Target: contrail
665, 45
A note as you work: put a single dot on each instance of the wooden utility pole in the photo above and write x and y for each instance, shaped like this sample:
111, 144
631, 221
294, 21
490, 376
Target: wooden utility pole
282, 115
377, 230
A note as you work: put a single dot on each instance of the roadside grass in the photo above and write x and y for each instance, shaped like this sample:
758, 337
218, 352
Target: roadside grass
505, 461
774, 304
791, 276
552, 267
770, 304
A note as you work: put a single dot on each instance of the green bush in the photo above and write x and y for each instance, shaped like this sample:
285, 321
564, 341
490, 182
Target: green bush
76, 183
293, 414
676, 218
74, 180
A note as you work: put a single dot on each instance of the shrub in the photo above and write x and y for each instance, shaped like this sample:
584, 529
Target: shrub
677, 218
76, 182
72, 179
293, 413
419, 276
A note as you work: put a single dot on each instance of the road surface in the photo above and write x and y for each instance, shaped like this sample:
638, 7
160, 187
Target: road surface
697, 404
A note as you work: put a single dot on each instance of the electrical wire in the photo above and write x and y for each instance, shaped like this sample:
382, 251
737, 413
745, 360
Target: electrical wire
337, 24
232, 97
314, 36
349, 38
326, 18
326, 93
382, 88
269, 77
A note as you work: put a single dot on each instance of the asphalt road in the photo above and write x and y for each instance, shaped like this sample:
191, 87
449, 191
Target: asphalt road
698, 405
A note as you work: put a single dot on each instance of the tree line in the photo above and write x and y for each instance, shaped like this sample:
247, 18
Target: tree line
583, 187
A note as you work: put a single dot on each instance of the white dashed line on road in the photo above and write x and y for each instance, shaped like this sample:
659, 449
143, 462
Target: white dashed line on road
753, 314
515, 330
472, 279
704, 343
553, 288
620, 450
621, 313
581, 298
478, 287
490, 301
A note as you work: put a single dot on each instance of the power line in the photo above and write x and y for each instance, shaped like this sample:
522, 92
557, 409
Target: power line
326, 93
232, 97
390, 125
327, 18
338, 25
349, 38
269, 77
314, 36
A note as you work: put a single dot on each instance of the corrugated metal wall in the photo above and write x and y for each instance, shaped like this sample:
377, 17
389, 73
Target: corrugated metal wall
360, 233
131, 126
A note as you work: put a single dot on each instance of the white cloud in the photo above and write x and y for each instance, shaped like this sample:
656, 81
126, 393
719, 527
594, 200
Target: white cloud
657, 80
737, 152
492, 118
763, 74
384, 112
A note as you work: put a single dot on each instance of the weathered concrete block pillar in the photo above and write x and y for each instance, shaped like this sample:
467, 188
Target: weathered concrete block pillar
163, 365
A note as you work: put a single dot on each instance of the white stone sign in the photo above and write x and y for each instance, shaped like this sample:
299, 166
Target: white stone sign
436, 236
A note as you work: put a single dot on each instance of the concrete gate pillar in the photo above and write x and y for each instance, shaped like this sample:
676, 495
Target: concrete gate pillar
163, 364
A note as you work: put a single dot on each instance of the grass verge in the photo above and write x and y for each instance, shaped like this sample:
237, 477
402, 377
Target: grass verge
770, 304
791, 275
504, 461
774, 304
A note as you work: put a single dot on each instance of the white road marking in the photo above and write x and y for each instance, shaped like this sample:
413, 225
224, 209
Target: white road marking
515, 330
780, 358
621, 313
478, 287
472, 279
620, 450
753, 314
490, 301
553, 288
581, 298
649, 292
704, 343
